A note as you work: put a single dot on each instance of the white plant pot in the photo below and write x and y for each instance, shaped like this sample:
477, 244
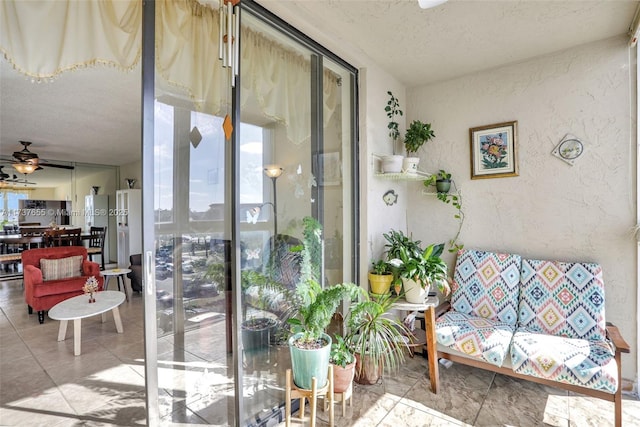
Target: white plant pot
413, 292
392, 164
410, 165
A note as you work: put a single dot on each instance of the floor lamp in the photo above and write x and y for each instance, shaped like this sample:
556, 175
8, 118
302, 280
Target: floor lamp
274, 172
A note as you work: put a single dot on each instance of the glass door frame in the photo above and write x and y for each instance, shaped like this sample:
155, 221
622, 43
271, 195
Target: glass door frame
148, 219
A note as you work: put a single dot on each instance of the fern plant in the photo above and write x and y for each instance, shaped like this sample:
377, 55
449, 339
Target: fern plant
317, 304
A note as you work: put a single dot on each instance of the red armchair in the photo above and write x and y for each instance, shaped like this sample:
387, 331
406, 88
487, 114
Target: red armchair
41, 294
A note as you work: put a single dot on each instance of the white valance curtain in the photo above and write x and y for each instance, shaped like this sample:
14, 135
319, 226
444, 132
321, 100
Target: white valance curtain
42, 39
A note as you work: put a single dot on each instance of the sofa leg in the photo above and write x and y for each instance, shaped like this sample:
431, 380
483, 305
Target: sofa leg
30, 309
41, 316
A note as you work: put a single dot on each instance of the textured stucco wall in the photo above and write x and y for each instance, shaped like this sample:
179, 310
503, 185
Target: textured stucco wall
551, 210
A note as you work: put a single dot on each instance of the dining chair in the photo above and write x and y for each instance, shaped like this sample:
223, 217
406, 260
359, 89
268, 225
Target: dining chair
96, 243
63, 237
36, 235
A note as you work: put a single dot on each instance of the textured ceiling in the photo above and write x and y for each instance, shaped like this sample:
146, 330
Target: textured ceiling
93, 115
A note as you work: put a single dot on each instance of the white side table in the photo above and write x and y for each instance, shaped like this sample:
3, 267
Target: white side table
78, 308
119, 274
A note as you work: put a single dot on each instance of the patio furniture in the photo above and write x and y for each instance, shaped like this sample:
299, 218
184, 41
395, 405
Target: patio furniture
78, 308
55, 274
538, 320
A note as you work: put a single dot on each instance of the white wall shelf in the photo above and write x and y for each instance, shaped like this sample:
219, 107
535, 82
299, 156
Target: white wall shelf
404, 176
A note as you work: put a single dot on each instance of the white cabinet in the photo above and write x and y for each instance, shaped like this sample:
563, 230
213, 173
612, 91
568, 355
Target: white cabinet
96, 214
129, 220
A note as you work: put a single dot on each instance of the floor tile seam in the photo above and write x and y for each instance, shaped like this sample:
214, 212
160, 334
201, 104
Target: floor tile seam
396, 403
484, 398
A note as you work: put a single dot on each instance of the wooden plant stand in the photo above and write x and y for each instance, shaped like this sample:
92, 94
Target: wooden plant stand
293, 392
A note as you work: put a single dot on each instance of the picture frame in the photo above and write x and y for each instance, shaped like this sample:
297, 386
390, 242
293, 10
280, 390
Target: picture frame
494, 150
331, 169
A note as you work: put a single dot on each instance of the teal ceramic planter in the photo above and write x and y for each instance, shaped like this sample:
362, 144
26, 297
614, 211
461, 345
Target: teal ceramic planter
307, 364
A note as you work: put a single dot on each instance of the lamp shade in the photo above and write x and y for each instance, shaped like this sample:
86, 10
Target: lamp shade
273, 171
25, 167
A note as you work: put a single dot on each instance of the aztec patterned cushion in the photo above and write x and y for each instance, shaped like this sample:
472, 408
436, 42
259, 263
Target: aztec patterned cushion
562, 299
475, 336
487, 284
581, 362
61, 268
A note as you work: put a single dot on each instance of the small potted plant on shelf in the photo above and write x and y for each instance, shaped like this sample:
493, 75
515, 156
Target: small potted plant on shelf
378, 340
417, 135
393, 163
443, 181
417, 268
380, 277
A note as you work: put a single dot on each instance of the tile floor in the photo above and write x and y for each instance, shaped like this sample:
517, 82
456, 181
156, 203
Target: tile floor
43, 384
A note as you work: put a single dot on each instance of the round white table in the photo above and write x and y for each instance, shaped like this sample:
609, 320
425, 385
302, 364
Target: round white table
119, 274
78, 308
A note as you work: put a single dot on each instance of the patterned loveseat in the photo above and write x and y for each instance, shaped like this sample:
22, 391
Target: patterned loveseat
533, 319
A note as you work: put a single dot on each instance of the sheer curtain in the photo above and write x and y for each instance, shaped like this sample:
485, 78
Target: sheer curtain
44, 38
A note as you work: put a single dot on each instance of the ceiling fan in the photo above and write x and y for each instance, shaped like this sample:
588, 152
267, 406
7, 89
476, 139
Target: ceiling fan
26, 162
5, 178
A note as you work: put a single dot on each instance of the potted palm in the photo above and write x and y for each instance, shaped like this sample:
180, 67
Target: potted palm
378, 340
418, 134
393, 163
380, 277
310, 345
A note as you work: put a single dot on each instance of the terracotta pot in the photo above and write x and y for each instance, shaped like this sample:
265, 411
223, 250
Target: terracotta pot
342, 377
366, 372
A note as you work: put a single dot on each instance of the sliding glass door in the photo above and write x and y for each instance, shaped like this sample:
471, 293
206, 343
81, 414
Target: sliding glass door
229, 175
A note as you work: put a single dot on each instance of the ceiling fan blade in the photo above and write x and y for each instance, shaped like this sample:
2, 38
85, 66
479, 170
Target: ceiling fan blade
53, 165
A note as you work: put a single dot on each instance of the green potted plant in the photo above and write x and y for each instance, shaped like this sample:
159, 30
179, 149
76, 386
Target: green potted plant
380, 277
418, 134
393, 163
417, 268
310, 345
442, 180
344, 364
419, 272
378, 340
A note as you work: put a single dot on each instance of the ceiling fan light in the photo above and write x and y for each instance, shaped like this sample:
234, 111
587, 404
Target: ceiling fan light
427, 4
24, 167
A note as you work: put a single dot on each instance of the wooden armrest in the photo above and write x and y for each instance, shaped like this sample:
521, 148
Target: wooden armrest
614, 335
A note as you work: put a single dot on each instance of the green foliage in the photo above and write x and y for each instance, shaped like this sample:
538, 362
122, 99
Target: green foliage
455, 199
397, 240
380, 267
441, 175
341, 354
393, 110
417, 135
376, 335
318, 307
425, 269
407, 259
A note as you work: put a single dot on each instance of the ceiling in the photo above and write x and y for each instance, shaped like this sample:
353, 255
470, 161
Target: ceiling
93, 115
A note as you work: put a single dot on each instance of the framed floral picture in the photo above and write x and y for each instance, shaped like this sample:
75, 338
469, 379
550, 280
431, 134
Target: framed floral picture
494, 150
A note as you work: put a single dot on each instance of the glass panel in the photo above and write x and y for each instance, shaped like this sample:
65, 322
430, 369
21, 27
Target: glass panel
274, 136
